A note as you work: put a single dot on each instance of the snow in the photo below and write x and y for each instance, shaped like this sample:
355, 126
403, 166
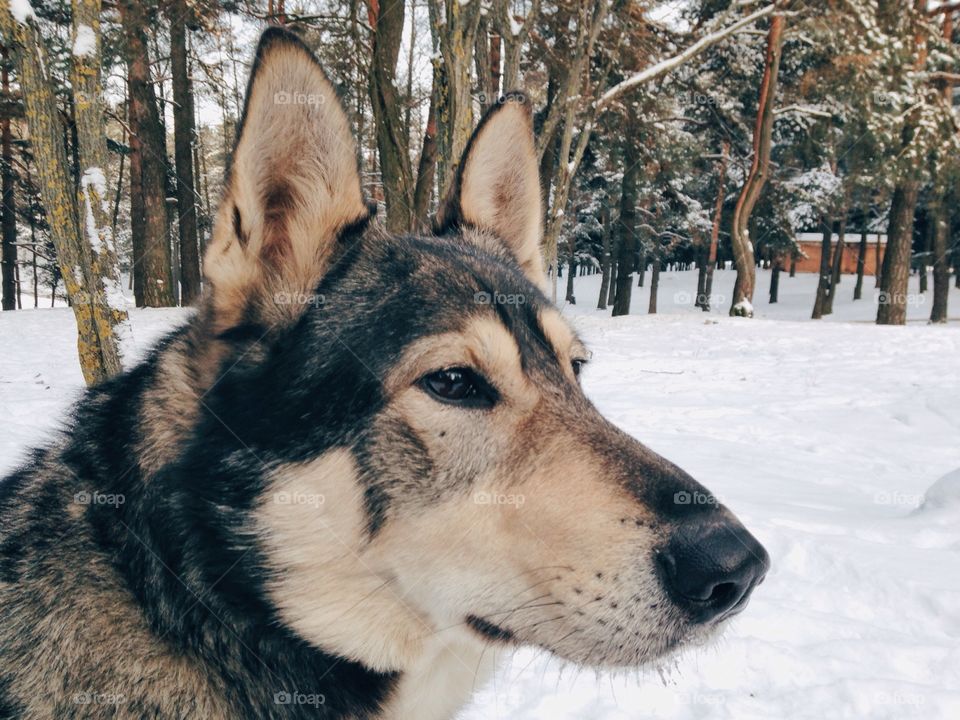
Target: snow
94, 179
22, 11
744, 307
836, 442
93, 176
85, 44
944, 494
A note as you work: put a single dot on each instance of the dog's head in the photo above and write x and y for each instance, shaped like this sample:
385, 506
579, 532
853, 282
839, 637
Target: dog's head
410, 414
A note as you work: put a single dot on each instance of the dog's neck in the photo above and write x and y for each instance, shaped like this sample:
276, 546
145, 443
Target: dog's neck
443, 679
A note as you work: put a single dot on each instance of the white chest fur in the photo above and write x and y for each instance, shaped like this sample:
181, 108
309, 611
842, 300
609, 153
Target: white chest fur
442, 681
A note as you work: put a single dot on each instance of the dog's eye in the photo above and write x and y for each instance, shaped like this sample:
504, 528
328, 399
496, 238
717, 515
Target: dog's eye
578, 364
459, 386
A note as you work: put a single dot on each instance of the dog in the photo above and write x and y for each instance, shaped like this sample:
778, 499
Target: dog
360, 471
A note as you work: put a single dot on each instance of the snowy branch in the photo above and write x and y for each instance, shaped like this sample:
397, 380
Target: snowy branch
805, 109
665, 66
945, 8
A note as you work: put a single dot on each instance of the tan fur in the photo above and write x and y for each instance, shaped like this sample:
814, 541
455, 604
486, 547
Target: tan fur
564, 341
328, 586
294, 179
500, 187
484, 344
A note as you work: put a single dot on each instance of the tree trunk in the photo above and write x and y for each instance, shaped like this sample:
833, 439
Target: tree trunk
572, 90
138, 228
896, 259
626, 255
428, 157
571, 270
513, 41
941, 263
878, 262
823, 280
861, 260
654, 283
940, 216
151, 152
9, 257
109, 311
703, 250
715, 228
482, 59
606, 261
775, 280
956, 265
82, 270
393, 144
927, 248
837, 264
549, 247
454, 24
183, 132
743, 250
614, 253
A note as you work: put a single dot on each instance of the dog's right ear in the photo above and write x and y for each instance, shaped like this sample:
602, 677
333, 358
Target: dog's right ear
292, 189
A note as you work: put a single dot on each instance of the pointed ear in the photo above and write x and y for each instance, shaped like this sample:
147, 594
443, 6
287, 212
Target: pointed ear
292, 189
497, 187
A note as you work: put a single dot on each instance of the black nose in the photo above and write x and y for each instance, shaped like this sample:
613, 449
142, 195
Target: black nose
711, 566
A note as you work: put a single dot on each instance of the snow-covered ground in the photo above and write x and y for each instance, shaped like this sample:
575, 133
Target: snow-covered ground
823, 437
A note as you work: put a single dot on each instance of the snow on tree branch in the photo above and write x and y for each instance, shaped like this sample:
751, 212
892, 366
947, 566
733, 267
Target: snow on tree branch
22, 11
691, 52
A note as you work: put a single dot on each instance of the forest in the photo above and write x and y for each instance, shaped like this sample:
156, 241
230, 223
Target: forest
700, 134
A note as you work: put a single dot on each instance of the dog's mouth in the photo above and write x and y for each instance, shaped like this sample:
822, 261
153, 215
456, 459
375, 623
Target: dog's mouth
609, 652
488, 630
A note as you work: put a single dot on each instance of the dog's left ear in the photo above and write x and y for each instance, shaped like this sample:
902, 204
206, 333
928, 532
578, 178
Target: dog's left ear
497, 187
293, 187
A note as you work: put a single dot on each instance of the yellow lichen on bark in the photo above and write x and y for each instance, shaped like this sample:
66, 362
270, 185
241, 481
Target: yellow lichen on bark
82, 267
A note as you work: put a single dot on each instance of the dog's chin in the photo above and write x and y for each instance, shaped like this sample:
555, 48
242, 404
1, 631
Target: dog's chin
618, 651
